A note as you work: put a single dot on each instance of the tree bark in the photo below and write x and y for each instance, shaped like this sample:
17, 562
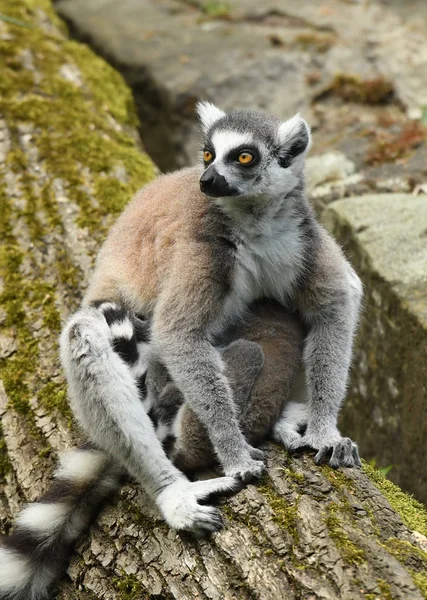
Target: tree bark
68, 162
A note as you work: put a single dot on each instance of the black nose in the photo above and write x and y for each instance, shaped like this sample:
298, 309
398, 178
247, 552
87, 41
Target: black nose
215, 185
206, 180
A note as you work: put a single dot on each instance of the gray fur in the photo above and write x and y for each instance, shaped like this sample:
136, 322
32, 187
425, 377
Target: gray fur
190, 447
105, 400
285, 254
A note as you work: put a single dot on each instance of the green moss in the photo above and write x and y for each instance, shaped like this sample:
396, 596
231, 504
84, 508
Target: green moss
318, 41
5, 465
350, 553
365, 91
420, 580
285, 512
130, 588
297, 478
54, 397
338, 479
81, 134
412, 512
15, 296
385, 590
414, 559
77, 126
216, 10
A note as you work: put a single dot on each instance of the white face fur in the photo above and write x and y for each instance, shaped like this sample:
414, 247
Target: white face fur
248, 154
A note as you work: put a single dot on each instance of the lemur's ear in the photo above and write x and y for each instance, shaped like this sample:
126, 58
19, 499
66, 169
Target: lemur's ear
294, 138
208, 114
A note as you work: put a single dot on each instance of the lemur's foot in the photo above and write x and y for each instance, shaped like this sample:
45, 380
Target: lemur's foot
247, 468
345, 453
336, 450
184, 504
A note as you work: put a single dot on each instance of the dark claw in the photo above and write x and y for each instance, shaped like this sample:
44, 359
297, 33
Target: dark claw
323, 455
356, 457
300, 450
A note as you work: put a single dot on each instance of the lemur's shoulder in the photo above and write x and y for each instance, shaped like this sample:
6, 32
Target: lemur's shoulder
329, 274
168, 225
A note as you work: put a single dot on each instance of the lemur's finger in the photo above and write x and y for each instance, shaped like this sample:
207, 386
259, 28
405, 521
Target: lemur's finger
323, 455
209, 518
356, 457
342, 454
256, 453
211, 490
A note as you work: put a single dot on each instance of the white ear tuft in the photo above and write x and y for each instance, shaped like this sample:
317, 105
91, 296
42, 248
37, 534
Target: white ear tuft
208, 114
294, 127
294, 138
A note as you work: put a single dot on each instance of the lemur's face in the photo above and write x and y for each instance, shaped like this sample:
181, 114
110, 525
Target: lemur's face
249, 153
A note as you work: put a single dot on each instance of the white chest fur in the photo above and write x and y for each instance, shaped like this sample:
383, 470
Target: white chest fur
268, 264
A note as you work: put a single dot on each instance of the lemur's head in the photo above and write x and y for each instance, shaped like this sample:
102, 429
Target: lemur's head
249, 153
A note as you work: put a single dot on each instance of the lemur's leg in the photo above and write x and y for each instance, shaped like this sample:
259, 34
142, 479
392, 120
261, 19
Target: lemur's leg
292, 421
105, 400
327, 358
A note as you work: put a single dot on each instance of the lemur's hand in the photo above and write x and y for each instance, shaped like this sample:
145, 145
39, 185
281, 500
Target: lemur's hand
184, 504
247, 466
331, 446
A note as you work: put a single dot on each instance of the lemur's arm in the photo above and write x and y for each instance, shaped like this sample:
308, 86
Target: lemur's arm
187, 440
185, 314
329, 304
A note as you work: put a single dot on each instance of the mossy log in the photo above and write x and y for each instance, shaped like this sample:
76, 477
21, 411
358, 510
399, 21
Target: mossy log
69, 160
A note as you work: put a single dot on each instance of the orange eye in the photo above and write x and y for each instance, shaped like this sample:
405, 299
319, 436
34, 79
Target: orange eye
245, 158
207, 156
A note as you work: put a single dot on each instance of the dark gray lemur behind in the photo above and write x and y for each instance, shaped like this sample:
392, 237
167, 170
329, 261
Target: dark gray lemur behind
260, 389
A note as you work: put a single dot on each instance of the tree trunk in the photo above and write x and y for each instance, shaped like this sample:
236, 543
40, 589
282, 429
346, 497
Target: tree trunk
69, 160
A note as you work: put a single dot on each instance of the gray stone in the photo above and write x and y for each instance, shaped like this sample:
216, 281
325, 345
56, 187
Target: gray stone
386, 239
283, 57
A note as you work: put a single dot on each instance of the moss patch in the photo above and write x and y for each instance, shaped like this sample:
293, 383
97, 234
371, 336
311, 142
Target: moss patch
81, 119
412, 512
385, 590
350, 553
317, 41
78, 126
54, 397
351, 88
130, 588
5, 465
285, 512
389, 147
414, 559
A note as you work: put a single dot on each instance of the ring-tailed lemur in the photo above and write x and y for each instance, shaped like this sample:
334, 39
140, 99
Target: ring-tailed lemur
196, 247
37, 552
191, 252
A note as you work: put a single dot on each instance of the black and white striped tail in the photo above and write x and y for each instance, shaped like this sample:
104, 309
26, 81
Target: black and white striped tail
129, 338
36, 554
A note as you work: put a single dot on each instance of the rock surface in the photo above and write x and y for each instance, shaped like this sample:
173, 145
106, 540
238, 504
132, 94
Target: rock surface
68, 161
386, 411
356, 70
